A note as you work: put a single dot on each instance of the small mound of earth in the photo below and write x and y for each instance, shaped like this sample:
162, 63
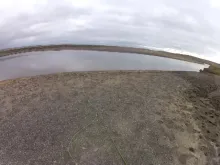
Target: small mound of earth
138, 117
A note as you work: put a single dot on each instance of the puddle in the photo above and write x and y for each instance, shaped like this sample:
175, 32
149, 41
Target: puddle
46, 62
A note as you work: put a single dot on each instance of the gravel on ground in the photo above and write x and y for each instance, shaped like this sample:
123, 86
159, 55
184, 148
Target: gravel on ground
117, 117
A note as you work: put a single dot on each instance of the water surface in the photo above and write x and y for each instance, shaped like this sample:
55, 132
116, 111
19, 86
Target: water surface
46, 62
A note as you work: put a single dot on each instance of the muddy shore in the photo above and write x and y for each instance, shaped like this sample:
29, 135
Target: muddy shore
129, 117
184, 57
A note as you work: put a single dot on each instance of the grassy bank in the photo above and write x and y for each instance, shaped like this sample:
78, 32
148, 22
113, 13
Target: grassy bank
212, 69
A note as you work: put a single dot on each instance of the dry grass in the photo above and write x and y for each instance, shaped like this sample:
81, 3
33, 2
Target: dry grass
213, 70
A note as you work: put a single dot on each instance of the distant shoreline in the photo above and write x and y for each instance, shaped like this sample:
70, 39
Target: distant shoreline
143, 51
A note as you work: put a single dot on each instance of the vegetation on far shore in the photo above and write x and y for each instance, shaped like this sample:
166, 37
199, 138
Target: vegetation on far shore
213, 68
143, 51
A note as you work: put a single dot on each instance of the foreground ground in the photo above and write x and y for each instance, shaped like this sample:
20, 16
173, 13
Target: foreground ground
147, 118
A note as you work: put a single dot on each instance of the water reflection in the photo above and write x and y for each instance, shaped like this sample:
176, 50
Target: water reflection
39, 63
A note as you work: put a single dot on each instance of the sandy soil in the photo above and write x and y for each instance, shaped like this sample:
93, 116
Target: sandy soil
147, 118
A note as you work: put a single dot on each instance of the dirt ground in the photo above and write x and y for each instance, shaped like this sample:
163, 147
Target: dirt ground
129, 117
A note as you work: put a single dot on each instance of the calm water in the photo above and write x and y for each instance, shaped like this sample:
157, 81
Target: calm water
39, 63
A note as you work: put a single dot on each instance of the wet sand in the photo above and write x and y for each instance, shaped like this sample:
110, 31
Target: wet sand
126, 117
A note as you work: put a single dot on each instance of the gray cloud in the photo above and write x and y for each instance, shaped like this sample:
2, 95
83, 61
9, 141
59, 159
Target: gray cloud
190, 26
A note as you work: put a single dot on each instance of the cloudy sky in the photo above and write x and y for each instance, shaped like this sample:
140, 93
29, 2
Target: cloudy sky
175, 25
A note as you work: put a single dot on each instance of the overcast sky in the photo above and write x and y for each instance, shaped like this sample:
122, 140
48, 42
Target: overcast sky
184, 25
